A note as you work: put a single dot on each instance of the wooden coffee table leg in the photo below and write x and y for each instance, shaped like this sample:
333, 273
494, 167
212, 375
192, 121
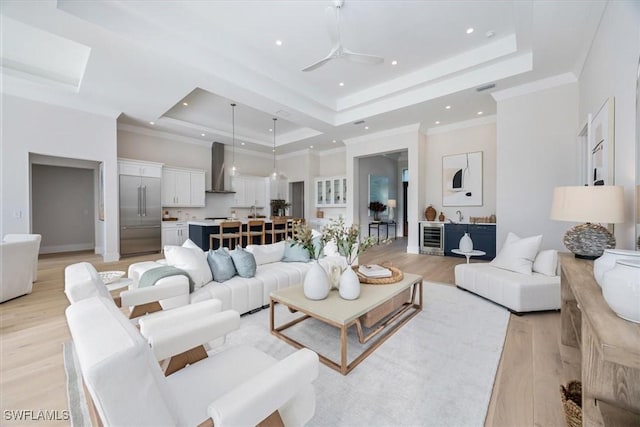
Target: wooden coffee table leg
343, 350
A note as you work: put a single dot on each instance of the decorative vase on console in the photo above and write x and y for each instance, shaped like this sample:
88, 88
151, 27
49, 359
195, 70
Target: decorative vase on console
349, 246
608, 261
621, 289
466, 244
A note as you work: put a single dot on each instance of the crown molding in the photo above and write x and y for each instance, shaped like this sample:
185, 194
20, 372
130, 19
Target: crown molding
537, 86
461, 125
162, 134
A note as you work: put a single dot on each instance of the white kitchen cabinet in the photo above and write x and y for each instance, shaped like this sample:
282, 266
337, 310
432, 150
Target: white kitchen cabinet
139, 168
174, 233
331, 191
250, 191
183, 187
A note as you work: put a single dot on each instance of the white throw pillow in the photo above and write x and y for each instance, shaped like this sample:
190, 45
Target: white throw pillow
518, 254
191, 260
546, 262
266, 254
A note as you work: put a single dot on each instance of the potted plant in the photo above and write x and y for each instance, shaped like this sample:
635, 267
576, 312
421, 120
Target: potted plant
279, 206
316, 282
347, 239
377, 207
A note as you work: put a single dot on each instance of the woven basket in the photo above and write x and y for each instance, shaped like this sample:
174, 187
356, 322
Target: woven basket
396, 276
570, 395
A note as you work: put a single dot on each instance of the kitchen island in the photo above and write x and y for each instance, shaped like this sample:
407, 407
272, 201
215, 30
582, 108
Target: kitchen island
199, 231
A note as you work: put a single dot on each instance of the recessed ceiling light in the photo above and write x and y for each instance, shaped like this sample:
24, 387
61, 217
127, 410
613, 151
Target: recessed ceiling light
202, 134
334, 141
366, 128
437, 122
448, 107
341, 84
152, 123
273, 150
469, 30
242, 143
479, 113
490, 34
394, 62
311, 146
270, 130
278, 42
185, 103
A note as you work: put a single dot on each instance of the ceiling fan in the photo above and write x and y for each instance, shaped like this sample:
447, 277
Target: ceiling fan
339, 51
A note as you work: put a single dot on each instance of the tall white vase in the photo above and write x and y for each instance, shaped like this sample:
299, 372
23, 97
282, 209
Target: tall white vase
608, 260
349, 284
621, 289
466, 244
316, 282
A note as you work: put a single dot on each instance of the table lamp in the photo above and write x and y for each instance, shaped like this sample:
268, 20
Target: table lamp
591, 205
391, 203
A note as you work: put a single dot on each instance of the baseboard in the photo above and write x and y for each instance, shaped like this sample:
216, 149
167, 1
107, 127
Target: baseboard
66, 248
413, 250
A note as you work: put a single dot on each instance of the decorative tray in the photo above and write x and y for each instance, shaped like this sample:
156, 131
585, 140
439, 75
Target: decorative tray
110, 276
396, 276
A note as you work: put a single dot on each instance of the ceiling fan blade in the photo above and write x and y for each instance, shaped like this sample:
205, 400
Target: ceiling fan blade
318, 64
361, 58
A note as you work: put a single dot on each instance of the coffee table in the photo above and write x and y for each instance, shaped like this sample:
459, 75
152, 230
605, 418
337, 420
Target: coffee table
343, 314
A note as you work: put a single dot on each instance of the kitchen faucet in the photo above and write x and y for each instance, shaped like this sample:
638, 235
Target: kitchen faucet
460, 217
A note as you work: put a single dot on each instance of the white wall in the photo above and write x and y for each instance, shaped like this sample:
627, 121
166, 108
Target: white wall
34, 127
63, 208
610, 71
458, 141
536, 148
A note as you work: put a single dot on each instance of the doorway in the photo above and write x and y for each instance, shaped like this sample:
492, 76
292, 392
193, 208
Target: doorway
405, 222
296, 191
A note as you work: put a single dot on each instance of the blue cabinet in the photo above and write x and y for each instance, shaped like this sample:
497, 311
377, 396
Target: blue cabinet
483, 236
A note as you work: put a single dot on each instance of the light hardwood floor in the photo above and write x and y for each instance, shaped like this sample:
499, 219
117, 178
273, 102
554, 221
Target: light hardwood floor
33, 328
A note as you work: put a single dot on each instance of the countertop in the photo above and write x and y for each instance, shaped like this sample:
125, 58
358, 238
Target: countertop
215, 222
463, 222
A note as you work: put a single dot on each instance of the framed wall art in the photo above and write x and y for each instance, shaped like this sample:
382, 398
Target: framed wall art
602, 145
462, 179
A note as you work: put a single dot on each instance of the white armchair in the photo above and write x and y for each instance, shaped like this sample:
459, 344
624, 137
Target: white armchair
239, 386
82, 281
16, 265
30, 238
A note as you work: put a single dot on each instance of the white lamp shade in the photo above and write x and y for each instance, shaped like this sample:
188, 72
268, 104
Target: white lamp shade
391, 203
594, 204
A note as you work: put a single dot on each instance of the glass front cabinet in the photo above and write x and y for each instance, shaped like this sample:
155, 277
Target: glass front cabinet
331, 192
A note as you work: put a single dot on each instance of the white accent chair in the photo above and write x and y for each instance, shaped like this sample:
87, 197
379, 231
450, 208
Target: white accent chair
82, 281
239, 386
27, 237
16, 268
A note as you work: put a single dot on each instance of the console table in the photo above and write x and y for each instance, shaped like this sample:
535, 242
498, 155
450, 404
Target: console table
376, 225
609, 348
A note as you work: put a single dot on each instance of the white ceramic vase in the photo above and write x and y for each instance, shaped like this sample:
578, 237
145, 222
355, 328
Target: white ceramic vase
466, 244
316, 284
608, 260
349, 284
621, 289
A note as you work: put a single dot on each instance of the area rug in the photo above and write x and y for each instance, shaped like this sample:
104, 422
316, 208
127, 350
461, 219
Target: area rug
436, 370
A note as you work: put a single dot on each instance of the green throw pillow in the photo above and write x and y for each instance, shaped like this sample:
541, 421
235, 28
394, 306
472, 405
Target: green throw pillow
221, 265
244, 262
295, 253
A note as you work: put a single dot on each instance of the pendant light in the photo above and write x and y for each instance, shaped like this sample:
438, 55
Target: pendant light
274, 175
234, 171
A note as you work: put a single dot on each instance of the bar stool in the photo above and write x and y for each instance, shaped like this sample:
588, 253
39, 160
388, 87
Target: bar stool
229, 230
293, 221
255, 228
279, 228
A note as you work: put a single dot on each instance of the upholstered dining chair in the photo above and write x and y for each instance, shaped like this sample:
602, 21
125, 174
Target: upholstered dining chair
37, 238
237, 386
16, 268
279, 228
255, 228
230, 231
292, 222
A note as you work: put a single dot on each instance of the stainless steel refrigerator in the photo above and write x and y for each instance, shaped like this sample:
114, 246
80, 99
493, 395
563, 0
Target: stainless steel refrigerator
140, 215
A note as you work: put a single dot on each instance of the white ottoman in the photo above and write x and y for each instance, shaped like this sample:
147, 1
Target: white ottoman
517, 292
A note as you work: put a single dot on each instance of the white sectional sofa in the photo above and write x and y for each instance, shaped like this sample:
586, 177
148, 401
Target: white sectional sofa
520, 278
248, 294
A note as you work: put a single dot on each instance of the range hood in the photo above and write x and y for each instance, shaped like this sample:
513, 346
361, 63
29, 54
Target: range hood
217, 170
